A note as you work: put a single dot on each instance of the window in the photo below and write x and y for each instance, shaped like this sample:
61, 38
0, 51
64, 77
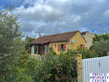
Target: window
62, 47
81, 46
55, 45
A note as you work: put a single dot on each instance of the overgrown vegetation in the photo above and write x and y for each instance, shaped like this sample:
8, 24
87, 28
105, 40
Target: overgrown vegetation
87, 53
27, 43
101, 44
57, 67
101, 47
104, 37
10, 43
53, 68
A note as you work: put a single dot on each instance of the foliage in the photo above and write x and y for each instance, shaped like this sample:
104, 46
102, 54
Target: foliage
101, 37
55, 67
27, 42
87, 53
101, 47
101, 44
10, 43
24, 68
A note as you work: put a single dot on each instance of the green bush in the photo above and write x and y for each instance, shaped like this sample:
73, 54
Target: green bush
87, 53
55, 67
101, 47
52, 69
23, 70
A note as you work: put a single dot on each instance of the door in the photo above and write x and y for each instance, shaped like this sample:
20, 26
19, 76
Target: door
39, 49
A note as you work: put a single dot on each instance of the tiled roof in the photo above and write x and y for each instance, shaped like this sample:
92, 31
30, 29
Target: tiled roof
54, 38
82, 33
85, 32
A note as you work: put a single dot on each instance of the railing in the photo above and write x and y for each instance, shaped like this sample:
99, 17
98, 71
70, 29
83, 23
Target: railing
94, 65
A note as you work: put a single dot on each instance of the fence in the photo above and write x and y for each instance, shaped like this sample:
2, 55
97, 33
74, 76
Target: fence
94, 65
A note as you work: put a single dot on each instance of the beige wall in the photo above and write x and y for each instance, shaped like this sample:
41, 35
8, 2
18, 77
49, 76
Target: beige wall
79, 40
89, 40
69, 45
56, 48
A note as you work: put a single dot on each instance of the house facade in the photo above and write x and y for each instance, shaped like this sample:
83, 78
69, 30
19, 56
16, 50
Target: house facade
88, 37
58, 42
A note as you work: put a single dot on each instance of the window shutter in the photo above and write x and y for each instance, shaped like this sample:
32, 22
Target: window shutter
80, 45
64, 47
58, 47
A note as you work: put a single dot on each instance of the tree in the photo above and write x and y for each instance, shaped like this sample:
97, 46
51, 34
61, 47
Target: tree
54, 68
57, 68
101, 44
87, 53
102, 36
10, 42
27, 42
101, 47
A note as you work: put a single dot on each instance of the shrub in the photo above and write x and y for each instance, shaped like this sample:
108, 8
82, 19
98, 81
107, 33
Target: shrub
87, 53
55, 67
101, 47
23, 70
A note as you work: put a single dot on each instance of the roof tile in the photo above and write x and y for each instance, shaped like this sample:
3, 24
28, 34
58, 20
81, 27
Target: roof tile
54, 38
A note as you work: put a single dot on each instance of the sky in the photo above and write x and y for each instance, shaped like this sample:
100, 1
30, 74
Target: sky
57, 16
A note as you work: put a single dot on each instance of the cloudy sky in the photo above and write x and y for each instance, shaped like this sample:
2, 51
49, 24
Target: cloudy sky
57, 16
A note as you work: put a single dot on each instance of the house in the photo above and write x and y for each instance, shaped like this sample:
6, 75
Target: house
88, 37
58, 42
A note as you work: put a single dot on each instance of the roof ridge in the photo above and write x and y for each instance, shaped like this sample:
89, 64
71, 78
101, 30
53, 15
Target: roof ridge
61, 33
54, 37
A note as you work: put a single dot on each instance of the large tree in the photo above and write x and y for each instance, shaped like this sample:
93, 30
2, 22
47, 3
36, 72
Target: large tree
27, 43
104, 36
101, 47
9, 39
101, 44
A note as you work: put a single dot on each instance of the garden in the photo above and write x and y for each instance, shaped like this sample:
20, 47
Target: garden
17, 66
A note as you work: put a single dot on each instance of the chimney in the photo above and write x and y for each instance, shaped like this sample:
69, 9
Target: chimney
39, 34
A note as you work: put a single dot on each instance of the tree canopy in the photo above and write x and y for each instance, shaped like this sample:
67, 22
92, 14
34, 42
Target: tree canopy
9, 35
101, 47
102, 36
101, 44
27, 42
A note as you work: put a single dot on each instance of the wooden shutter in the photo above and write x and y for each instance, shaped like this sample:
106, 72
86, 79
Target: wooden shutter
64, 47
80, 45
58, 47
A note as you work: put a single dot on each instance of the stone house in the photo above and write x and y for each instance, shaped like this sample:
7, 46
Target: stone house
88, 37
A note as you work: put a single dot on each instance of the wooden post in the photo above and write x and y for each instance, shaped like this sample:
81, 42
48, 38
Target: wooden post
79, 65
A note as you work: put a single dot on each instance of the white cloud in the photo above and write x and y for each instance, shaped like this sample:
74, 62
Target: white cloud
76, 18
53, 16
40, 12
106, 13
